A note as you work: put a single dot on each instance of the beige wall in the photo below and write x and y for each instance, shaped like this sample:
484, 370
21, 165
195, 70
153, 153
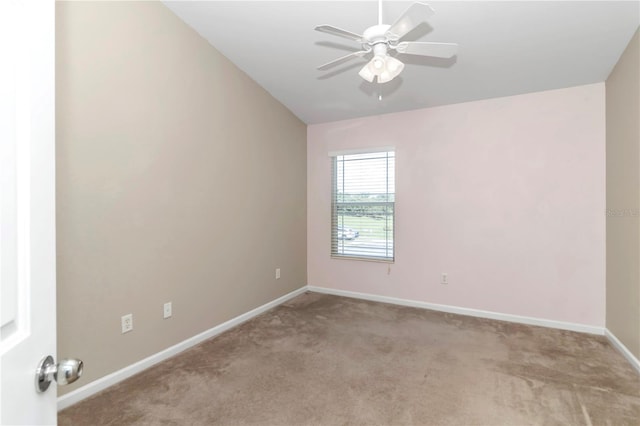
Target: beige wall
178, 179
623, 198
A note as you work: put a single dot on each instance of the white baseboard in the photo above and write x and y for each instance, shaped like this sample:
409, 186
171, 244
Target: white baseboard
582, 328
623, 349
120, 375
104, 382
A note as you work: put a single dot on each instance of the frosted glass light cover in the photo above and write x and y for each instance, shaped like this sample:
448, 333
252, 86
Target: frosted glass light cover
366, 73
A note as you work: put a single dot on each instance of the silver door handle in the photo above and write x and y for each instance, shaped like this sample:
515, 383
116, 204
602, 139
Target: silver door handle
65, 372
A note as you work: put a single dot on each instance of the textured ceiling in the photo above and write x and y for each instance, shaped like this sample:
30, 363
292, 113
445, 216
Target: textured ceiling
506, 48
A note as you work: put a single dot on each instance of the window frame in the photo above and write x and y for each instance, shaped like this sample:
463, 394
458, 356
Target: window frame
334, 240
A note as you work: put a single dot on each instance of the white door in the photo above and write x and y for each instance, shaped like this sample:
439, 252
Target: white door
27, 208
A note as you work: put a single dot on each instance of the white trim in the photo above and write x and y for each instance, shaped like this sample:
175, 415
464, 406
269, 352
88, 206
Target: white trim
104, 382
582, 328
623, 349
120, 375
362, 151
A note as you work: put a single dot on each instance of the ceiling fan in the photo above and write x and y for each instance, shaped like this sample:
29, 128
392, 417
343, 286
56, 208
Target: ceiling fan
381, 39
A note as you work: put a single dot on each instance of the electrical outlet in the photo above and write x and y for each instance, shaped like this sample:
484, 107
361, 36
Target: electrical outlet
277, 273
127, 323
444, 279
167, 310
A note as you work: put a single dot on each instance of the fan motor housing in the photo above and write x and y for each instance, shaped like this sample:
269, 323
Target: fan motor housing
376, 34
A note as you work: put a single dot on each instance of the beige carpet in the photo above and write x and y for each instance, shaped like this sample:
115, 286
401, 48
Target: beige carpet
326, 360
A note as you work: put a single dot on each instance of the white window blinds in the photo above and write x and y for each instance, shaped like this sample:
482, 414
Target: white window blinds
363, 205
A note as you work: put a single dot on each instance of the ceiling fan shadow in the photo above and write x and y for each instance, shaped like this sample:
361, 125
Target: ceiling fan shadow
337, 71
428, 61
384, 89
337, 46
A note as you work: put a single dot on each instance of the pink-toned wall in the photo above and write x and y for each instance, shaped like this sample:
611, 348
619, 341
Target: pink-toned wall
505, 195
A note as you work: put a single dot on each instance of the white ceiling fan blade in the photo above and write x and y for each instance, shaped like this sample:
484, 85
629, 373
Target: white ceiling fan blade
437, 50
414, 15
343, 59
330, 29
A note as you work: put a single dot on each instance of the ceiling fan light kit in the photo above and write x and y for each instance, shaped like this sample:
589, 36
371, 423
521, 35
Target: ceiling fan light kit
380, 39
383, 66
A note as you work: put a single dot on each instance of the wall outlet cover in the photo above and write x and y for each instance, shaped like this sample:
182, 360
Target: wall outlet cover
127, 323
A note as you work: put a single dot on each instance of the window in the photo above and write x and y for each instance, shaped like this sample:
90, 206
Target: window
363, 204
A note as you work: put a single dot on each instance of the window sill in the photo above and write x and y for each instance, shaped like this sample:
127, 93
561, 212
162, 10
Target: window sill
364, 259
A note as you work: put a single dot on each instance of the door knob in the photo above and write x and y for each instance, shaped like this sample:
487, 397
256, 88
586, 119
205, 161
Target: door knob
65, 372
